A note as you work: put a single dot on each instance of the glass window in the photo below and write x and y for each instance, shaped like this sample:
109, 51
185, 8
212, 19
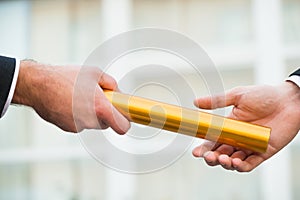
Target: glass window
208, 22
291, 21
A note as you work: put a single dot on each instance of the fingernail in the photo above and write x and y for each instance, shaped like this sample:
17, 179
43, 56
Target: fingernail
125, 126
206, 154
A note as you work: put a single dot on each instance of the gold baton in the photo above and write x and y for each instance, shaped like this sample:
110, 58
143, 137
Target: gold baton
191, 122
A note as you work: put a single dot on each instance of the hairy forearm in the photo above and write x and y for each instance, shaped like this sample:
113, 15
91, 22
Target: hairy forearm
32, 82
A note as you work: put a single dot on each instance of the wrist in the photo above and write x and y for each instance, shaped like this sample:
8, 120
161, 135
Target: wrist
291, 92
24, 88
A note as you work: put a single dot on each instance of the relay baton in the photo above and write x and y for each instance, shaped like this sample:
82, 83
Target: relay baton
191, 122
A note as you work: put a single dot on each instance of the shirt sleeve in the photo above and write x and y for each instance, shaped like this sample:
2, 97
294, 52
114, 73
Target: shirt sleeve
9, 72
295, 77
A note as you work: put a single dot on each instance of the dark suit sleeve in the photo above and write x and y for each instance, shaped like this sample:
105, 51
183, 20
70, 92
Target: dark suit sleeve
297, 73
7, 70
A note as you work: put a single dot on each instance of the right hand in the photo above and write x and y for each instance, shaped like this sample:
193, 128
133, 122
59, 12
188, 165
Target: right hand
71, 97
275, 107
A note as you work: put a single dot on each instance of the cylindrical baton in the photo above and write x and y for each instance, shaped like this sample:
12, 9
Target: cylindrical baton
191, 122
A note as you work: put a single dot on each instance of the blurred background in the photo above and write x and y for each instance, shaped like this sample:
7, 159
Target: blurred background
247, 39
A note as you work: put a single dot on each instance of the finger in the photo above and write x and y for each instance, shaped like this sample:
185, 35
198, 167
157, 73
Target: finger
219, 101
239, 154
107, 82
211, 158
220, 156
109, 115
248, 164
114, 119
205, 147
226, 162
199, 151
225, 149
232, 114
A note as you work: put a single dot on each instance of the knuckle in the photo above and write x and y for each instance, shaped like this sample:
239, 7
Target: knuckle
100, 113
103, 113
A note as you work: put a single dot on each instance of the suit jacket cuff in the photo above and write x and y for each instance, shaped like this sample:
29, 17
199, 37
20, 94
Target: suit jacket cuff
9, 71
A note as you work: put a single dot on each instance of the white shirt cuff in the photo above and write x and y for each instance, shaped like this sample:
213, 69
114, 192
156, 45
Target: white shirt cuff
295, 79
12, 87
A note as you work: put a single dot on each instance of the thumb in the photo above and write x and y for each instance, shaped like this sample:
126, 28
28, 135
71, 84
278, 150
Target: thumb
228, 98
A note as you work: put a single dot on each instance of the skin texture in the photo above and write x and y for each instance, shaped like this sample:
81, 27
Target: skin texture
277, 107
71, 97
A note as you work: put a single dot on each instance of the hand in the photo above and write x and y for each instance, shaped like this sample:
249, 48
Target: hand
70, 97
275, 107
